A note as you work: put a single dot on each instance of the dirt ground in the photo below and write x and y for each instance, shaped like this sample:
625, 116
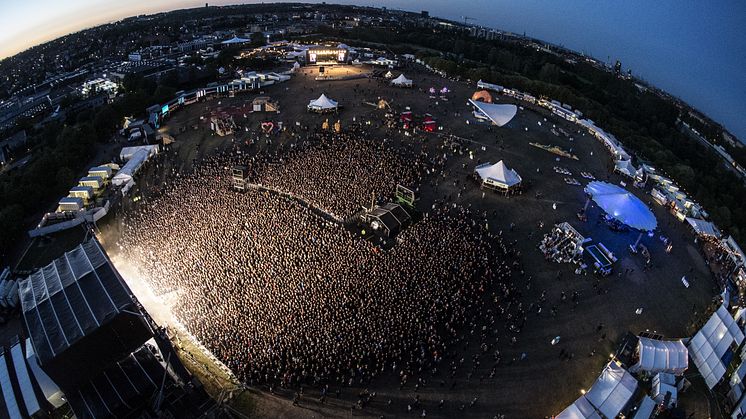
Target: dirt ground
541, 384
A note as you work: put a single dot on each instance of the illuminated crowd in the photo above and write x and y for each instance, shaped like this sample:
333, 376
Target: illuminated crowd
339, 173
284, 297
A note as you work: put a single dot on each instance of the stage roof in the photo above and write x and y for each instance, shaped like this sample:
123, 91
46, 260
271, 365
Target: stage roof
71, 298
622, 205
498, 114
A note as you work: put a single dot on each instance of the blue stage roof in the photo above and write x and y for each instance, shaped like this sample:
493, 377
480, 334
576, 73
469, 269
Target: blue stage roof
622, 205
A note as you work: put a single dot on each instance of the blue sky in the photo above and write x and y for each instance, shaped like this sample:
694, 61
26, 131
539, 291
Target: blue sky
694, 50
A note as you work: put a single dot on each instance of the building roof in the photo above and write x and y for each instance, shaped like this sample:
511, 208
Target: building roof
499, 114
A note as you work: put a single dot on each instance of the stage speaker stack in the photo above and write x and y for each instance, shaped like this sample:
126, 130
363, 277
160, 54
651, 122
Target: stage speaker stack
240, 173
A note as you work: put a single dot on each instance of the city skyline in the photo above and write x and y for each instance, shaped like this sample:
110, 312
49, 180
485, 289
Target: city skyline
696, 64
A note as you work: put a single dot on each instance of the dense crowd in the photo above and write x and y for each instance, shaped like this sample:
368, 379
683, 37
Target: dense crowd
284, 297
339, 172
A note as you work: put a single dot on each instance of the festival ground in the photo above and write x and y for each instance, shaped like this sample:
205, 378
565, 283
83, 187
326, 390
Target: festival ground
532, 380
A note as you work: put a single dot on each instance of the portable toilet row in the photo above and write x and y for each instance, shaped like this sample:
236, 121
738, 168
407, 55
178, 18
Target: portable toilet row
94, 182
70, 203
83, 192
104, 172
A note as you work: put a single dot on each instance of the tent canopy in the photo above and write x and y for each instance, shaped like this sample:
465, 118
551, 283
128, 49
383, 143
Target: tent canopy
128, 171
235, 40
322, 102
710, 347
580, 409
703, 228
499, 174
498, 114
622, 205
612, 390
661, 356
625, 167
401, 81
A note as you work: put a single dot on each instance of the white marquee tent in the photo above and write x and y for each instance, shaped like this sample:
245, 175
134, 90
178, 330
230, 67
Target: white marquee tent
128, 152
580, 409
128, 171
703, 228
655, 356
498, 176
607, 397
612, 390
499, 114
626, 168
322, 104
402, 81
710, 345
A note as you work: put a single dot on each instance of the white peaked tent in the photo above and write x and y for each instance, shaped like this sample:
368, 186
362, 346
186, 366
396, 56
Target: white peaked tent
322, 104
710, 345
402, 81
389, 74
612, 390
580, 409
608, 396
498, 114
626, 168
498, 176
235, 40
670, 356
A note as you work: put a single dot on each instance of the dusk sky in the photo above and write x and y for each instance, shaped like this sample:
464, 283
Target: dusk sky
694, 50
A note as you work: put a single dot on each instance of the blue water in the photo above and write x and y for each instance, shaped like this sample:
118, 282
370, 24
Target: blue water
695, 50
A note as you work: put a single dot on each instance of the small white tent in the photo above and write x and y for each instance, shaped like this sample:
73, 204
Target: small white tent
496, 113
402, 81
498, 176
389, 74
656, 356
322, 104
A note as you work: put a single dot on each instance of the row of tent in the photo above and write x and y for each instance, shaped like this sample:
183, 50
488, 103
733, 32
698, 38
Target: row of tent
712, 350
8, 290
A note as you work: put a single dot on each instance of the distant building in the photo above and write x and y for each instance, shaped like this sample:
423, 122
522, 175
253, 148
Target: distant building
425, 14
618, 68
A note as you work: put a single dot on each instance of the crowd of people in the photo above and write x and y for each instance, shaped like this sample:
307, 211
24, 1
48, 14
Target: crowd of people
284, 297
339, 172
